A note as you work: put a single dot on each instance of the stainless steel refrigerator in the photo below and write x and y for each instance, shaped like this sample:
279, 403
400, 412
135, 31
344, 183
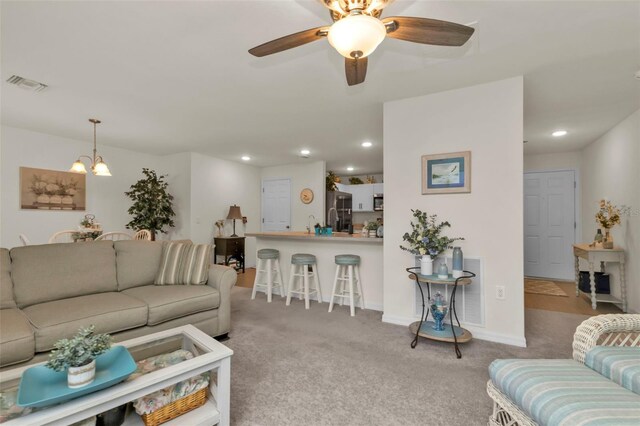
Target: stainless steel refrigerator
339, 213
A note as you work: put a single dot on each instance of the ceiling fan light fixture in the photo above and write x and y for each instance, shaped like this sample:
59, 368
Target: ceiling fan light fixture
356, 36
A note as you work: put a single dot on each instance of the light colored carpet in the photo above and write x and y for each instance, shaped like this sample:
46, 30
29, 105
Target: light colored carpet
548, 288
292, 366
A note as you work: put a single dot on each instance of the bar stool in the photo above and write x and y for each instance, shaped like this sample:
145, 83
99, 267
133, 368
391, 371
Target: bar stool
268, 261
300, 263
347, 271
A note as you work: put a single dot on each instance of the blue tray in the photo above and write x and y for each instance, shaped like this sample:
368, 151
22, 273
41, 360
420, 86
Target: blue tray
40, 386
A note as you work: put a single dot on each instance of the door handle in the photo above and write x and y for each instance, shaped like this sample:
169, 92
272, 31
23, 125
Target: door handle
288, 227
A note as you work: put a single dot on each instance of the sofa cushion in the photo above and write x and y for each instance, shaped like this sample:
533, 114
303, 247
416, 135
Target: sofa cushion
6, 285
109, 312
620, 364
184, 264
137, 262
17, 343
175, 301
564, 392
58, 271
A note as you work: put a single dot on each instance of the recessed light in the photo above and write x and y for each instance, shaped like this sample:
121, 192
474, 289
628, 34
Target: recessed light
305, 152
559, 133
246, 158
350, 169
366, 144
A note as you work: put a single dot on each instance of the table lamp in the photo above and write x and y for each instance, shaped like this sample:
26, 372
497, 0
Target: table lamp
234, 213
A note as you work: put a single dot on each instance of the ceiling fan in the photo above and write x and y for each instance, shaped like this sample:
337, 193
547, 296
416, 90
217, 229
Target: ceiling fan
357, 30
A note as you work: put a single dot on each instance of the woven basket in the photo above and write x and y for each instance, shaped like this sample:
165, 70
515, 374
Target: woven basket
176, 408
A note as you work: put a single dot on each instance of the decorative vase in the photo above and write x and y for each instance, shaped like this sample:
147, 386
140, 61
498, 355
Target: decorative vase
78, 377
598, 238
67, 199
443, 271
457, 264
439, 310
56, 202
607, 242
43, 199
426, 265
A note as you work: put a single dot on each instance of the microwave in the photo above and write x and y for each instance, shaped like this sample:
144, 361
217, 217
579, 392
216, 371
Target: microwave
378, 202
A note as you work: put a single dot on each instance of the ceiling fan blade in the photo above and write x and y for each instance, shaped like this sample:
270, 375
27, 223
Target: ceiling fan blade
289, 41
356, 70
427, 31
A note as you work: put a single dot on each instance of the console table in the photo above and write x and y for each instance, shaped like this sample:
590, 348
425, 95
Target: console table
229, 247
424, 328
594, 255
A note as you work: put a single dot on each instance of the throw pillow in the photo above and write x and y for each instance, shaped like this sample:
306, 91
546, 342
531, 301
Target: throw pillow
183, 263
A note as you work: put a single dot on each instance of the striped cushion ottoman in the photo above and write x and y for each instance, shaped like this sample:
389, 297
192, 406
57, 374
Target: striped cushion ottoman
565, 392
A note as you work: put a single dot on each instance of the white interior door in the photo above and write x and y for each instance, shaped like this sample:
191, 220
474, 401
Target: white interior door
549, 224
276, 205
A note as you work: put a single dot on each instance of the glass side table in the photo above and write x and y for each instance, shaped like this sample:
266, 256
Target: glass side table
425, 328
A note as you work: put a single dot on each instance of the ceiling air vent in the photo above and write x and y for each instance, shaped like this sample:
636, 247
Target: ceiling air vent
26, 84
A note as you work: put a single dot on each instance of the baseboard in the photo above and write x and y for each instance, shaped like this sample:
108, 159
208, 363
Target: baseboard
478, 333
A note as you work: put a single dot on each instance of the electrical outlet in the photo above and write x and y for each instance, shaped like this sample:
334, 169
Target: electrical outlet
500, 292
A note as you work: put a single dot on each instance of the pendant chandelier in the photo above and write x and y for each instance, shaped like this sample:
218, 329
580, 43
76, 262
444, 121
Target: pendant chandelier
98, 166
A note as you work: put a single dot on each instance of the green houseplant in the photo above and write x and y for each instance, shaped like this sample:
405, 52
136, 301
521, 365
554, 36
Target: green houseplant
78, 356
426, 239
331, 181
152, 207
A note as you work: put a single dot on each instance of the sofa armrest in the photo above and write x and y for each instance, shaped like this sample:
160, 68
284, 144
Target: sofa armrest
223, 278
606, 330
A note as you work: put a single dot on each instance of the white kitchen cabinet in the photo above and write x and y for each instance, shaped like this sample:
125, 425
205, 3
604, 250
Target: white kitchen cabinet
378, 188
362, 197
342, 187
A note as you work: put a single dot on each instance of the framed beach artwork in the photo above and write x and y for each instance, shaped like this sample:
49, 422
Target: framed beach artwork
42, 189
446, 173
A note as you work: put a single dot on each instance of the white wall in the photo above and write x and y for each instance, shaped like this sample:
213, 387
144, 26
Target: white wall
556, 161
105, 195
311, 175
203, 189
487, 120
215, 186
612, 171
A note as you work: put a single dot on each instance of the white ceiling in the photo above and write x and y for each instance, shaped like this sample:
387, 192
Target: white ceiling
167, 77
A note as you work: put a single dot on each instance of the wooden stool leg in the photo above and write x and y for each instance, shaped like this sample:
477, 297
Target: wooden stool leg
335, 286
357, 268
290, 287
269, 279
255, 281
306, 286
316, 280
353, 307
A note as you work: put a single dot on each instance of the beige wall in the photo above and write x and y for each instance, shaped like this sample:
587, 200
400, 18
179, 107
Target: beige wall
611, 170
488, 121
555, 161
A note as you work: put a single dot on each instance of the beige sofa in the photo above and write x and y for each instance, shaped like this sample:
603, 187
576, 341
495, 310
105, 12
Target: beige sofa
49, 291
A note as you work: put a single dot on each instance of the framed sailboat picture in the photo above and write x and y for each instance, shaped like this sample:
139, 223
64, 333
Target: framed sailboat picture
446, 173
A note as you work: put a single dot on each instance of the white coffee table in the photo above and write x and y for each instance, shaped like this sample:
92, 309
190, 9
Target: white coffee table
209, 355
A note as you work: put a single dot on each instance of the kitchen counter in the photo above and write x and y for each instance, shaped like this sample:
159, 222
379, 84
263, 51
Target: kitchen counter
335, 237
325, 248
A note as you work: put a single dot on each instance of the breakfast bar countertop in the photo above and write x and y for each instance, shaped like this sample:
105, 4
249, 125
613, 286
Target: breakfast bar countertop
335, 237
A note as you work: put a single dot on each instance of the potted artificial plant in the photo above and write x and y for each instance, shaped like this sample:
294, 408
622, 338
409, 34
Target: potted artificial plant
78, 356
426, 239
152, 207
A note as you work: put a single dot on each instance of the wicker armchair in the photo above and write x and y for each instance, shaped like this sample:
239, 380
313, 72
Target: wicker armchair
601, 330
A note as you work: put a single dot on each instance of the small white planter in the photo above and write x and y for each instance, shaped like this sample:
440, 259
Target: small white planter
426, 265
78, 377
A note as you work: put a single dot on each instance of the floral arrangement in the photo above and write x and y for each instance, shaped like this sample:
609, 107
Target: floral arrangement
426, 235
220, 226
80, 350
609, 214
331, 181
40, 185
